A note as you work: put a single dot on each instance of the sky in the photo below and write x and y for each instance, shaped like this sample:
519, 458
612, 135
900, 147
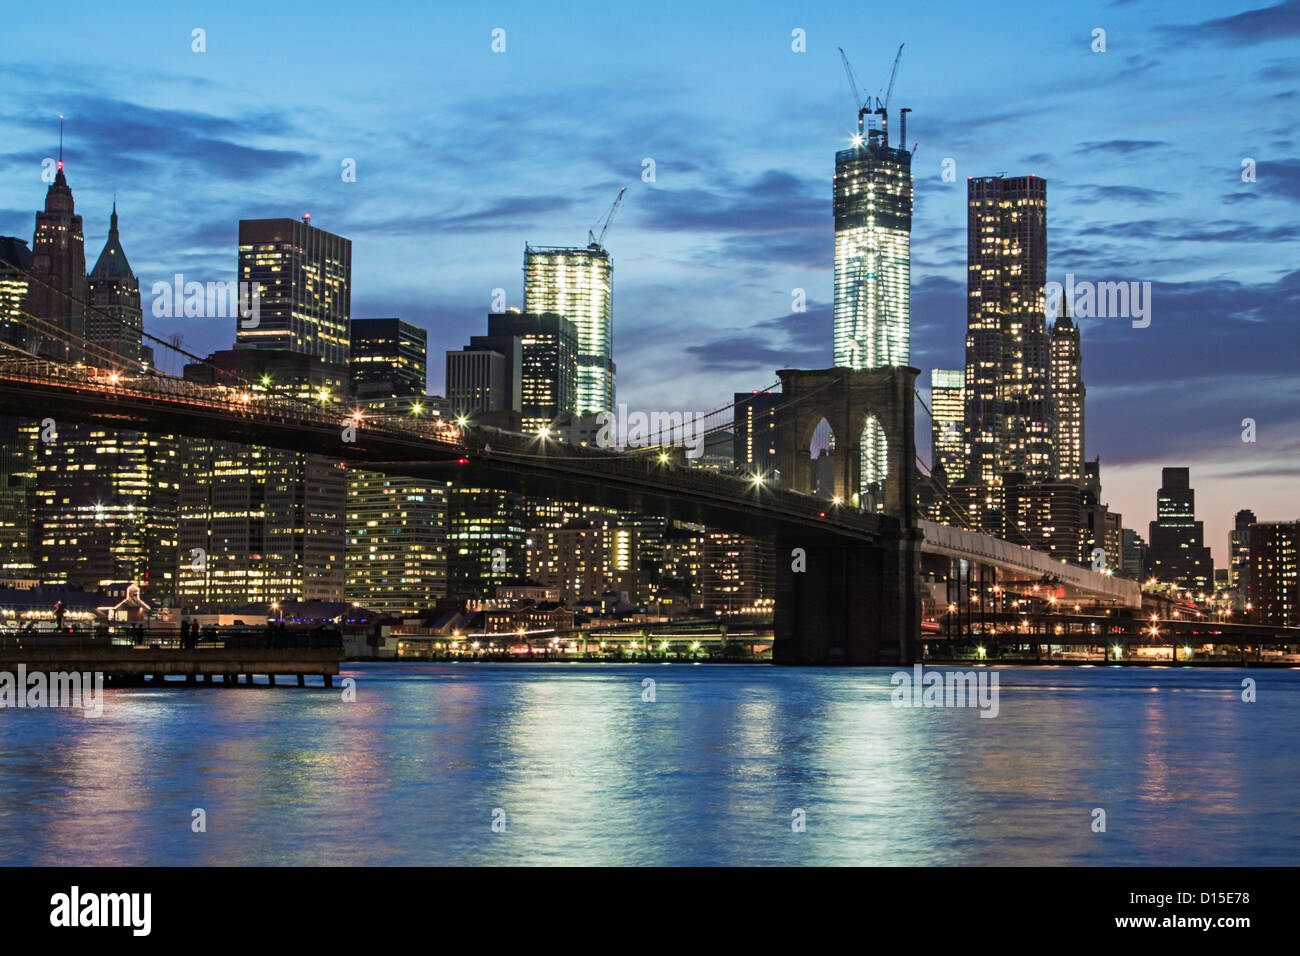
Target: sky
462, 154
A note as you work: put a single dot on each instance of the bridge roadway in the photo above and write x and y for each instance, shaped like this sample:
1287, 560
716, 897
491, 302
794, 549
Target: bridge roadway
408, 445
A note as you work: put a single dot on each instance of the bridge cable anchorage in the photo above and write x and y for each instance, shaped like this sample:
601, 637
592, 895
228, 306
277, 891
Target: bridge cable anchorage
230, 378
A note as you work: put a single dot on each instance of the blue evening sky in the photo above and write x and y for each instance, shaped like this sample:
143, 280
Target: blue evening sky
463, 154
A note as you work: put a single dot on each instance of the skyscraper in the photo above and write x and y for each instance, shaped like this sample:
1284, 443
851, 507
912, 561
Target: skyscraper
304, 277
483, 377
577, 283
1275, 572
15, 260
17, 435
397, 542
106, 500
872, 202
388, 357
115, 321
757, 426
271, 524
1176, 553
1067, 399
1239, 551
873, 235
58, 290
1008, 353
548, 371
947, 408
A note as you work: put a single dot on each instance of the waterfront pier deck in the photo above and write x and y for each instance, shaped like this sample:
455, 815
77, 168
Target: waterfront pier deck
228, 659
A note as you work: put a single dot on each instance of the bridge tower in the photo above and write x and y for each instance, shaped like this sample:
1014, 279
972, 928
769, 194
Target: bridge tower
849, 602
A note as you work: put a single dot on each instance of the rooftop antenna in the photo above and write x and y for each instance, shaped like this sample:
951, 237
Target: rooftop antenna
60, 142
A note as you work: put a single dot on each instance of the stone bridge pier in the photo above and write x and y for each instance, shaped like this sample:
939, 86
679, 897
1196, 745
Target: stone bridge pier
839, 600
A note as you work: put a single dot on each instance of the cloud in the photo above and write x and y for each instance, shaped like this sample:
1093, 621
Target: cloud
1242, 29
1123, 147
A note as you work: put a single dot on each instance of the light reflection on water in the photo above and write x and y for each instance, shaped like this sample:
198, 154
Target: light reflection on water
708, 773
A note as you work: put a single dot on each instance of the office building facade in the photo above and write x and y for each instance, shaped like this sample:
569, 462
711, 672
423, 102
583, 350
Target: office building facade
1008, 353
577, 283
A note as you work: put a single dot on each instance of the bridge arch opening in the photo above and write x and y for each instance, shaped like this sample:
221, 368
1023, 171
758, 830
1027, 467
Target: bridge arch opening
822, 460
874, 456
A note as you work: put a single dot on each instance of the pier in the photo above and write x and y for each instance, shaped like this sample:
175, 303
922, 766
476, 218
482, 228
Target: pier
229, 659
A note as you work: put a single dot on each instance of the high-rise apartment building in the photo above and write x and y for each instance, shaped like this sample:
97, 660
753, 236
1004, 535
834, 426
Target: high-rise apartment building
1176, 553
304, 282
1008, 352
948, 413
1275, 572
577, 283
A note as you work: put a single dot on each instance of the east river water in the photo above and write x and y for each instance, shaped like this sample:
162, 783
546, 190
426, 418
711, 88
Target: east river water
745, 764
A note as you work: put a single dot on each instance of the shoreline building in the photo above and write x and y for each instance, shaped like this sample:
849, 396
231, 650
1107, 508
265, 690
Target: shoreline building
577, 283
1008, 350
872, 202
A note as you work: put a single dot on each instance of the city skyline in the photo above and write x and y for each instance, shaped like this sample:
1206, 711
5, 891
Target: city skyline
1210, 358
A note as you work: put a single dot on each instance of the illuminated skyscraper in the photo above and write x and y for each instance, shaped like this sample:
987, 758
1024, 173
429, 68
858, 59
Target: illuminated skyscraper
1067, 399
947, 405
397, 542
757, 425
304, 277
115, 321
1177, 553
577, 283
1274, 560
1239, 551
1008, 352
873, 286
17, 435
388, 357
58, 293
548, 371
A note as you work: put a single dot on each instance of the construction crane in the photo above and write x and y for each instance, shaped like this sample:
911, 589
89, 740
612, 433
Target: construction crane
853, 84
892, 76
595, 240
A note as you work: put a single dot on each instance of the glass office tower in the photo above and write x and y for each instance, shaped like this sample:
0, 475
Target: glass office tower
577, 283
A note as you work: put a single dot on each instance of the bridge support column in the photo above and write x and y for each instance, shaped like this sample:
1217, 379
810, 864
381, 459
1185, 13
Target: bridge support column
852, 604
